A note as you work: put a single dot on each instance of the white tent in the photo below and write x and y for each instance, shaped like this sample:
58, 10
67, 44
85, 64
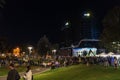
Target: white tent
103, 54
111, 53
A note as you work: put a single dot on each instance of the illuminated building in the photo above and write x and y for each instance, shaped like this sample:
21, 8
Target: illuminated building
89, 28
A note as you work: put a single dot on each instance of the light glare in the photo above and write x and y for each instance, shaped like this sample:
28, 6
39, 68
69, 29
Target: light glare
87, 14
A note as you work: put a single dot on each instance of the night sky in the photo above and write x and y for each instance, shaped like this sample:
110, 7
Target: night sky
28, 20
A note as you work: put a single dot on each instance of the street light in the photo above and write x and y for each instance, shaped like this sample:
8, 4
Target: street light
87, 14
30, 49
67, 23
54, 51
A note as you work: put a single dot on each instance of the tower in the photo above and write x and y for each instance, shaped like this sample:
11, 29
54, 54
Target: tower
89, 26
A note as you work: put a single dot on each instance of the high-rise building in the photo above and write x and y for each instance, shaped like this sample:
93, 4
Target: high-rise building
88, 27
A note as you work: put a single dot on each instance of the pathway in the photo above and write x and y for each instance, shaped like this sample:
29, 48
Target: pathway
36, 71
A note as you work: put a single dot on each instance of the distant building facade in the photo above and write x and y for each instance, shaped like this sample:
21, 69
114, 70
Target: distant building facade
89, 28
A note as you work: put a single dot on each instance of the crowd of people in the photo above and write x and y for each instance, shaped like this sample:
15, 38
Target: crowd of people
105, 61
60, 61
56, 62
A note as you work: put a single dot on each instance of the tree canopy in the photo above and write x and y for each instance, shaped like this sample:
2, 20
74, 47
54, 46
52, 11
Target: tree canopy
111, 23
43, 45
2, 3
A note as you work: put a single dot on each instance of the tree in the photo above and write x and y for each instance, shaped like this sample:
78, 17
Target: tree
55, 46
43, 45
111, 25
2, 3
3, 44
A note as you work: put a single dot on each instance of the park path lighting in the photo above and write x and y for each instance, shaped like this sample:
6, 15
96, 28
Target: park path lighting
54, 52
30, 49
3, 55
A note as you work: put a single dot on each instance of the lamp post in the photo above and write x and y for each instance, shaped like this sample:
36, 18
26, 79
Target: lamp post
54, 53
30, 49
67, 32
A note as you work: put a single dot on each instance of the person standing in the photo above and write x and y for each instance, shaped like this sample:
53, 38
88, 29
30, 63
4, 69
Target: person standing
28, 75
115, 63
13, 74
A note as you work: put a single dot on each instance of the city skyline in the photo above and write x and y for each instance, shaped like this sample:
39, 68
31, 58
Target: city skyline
23, 21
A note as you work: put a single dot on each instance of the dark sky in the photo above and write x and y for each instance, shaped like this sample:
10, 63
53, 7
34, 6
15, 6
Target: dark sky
28, 20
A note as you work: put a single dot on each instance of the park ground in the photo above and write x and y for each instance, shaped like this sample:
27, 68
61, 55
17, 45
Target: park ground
21, 70
78, 72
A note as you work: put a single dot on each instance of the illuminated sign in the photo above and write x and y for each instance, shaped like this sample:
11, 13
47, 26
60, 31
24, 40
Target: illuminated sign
84, 51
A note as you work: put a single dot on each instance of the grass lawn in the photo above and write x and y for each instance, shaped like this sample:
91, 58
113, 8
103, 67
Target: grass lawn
4, 70
80, 72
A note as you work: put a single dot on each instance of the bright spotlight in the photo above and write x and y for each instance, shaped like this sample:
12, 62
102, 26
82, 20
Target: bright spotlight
67, 23
87, 14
